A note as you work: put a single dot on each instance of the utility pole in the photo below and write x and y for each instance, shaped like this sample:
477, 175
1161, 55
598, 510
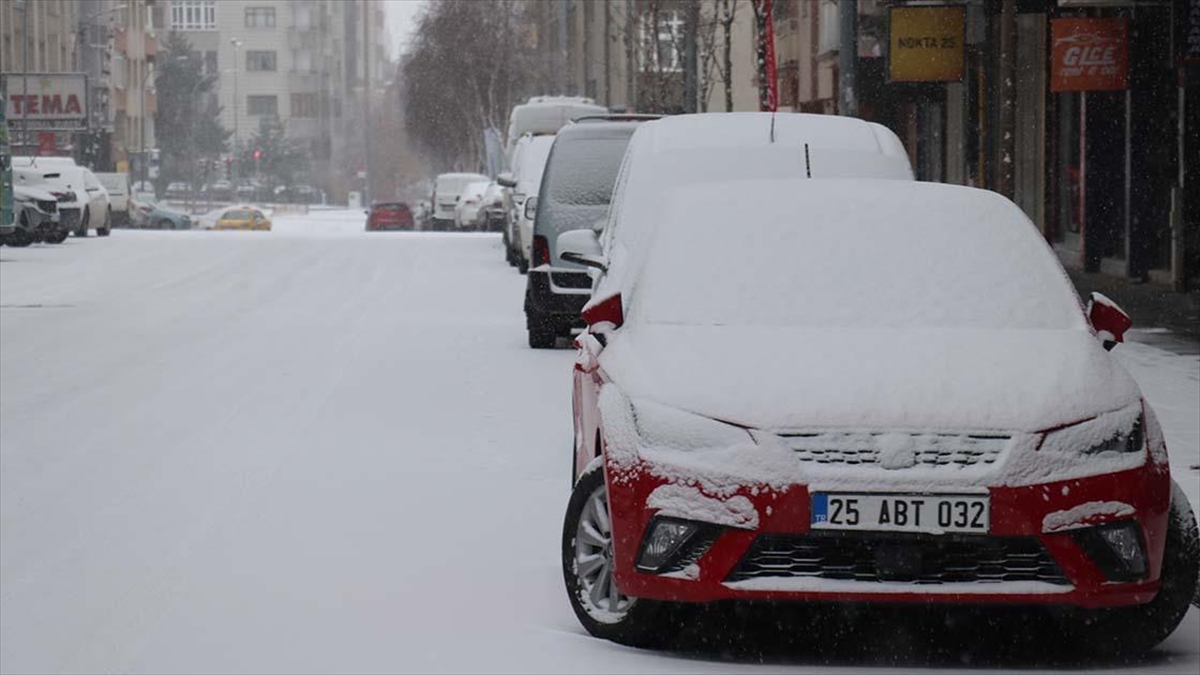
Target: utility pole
1007, 137
366, 22
25, 10
631, 66
848, 58
691, 20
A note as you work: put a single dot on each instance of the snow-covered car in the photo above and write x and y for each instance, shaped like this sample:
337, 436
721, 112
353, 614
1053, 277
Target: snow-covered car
469, 213
446, 191
546, 115
178, 190
877, 392
36, 218
577, 186
523, 182
90, 207
149, 214
493, 205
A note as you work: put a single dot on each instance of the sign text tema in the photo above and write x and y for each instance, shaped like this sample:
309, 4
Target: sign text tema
50, 101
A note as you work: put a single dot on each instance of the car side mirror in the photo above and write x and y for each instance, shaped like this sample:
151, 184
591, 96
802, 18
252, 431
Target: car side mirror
1109, 321
531, 208
507, 180
367, 211
581, 247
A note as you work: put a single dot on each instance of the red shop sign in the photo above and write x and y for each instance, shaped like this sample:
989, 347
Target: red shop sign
1089, 54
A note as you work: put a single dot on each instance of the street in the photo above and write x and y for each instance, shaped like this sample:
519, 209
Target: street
317, 449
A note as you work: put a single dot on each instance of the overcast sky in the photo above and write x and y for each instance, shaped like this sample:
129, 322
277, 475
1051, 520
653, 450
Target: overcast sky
400, 16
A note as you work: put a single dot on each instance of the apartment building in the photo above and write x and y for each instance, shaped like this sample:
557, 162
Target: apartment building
38, 37
298, 60
593, 48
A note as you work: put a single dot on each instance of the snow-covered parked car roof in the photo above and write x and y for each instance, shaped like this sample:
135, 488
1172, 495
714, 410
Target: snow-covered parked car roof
929, 306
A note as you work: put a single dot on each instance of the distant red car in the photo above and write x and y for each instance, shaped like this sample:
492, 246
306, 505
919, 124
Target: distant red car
389, 216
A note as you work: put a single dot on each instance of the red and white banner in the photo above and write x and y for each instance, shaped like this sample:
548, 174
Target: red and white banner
769, 87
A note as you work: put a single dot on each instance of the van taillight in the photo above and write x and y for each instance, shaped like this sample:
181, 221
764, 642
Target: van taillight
541, 250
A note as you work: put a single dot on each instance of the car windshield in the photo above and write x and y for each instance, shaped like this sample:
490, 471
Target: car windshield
585, 170
850, 259
237, 215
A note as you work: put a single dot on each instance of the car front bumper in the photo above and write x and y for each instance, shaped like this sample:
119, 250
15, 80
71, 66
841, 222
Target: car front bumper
782, 558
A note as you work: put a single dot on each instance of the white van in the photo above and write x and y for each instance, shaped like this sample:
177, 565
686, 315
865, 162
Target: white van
117, 186
523, 182
446, 190
546, 115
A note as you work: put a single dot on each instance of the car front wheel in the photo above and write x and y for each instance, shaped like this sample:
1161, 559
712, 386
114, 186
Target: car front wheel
587, 560
1137, 629
103, 231
81, 231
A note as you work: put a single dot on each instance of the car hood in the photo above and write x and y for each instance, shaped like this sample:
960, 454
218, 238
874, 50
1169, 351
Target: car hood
28, 193
958, 379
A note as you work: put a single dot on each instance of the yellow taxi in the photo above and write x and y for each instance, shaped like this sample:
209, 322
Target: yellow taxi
243, 218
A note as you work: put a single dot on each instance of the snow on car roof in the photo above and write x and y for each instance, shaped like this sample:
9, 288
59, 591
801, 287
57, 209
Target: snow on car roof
749, 129
851, 253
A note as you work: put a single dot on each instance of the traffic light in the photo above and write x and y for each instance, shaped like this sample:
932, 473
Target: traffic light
257, 154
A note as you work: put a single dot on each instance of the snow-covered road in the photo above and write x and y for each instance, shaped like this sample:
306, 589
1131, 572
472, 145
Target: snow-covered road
320, 450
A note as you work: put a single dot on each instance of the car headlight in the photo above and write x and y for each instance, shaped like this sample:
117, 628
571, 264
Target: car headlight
1115, 432
666, 427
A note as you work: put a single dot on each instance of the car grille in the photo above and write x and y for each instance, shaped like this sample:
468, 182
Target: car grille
863, 448
68, 218
922, 559
571, 279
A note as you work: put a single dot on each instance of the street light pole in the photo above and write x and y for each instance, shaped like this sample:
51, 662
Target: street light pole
236, 141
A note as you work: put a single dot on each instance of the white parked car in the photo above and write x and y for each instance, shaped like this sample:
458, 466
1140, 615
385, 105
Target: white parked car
469, 213
524, 181
89, 210
446, 191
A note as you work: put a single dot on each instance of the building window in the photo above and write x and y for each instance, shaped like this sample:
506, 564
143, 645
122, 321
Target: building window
260, 60
262, 105
194, 15
304, 105
302, 16
661, 46
260, 17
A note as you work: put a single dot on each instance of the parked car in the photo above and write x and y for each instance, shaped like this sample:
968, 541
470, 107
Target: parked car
389, 216
90, 208
800, 412
529, 161
221, 190
36, 219
493, 206
151, 214
575, 191
469, 213
50, 180
178, 191
243, 218
117, 186
446, 191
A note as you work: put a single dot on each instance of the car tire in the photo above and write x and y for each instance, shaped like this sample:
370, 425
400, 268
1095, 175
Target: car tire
164, 224
522, 265
104, 231
635, 622
58, 237
82, 230
1137, 629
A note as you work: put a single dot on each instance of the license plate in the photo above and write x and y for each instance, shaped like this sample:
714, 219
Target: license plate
935, 514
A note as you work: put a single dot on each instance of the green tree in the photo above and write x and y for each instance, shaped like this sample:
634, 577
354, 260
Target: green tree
186, 130
281, 159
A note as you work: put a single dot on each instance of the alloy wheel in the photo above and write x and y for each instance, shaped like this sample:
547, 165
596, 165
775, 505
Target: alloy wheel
594, 561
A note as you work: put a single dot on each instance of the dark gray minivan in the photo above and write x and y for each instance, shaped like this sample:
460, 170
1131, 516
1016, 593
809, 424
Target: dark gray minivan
576, 188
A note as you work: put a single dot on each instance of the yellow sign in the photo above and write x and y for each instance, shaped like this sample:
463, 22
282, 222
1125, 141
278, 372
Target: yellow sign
122, 166
927, 44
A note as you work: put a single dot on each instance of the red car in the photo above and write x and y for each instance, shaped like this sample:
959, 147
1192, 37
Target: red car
872, 391
389, 216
